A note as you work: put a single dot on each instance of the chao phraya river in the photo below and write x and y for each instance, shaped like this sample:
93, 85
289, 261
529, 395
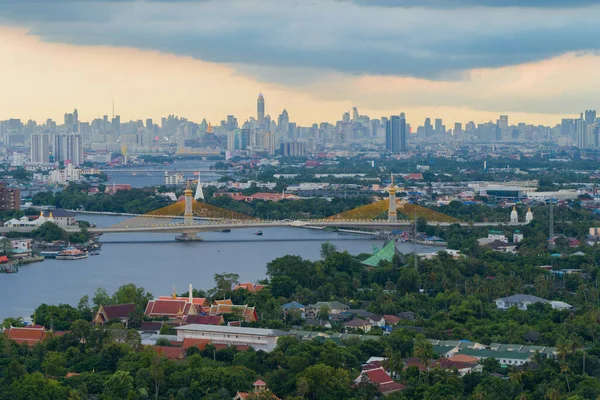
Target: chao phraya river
157, 262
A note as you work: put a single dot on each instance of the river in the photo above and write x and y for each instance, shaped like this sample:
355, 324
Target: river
157, 262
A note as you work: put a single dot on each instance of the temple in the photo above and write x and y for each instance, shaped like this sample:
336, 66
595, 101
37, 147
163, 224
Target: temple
385, 254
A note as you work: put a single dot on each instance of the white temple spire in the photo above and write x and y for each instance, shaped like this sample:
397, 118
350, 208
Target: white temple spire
199, 192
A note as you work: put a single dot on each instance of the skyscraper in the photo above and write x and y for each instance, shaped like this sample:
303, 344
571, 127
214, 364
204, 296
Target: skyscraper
355, 114
75, 121
395, 133
260, 110
68, 147
40, 148
503, 122
581, 133
589, 116
438, 126
428, 127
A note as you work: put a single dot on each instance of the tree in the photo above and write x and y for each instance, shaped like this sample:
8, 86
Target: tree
130, 293
6, 246
423, 349
324, 382
80, 330
101, 298
224, 284
118, 385
55, 364
324, 312
157, 374
327, 250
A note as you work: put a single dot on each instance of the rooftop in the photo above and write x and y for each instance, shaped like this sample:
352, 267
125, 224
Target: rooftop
386, 253
232, 329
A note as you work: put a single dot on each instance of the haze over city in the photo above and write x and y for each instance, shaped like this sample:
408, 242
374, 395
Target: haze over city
457, 60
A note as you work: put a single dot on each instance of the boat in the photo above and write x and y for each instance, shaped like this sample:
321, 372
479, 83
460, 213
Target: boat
94, 253
71, 254
226, 230
133, 174
258, 233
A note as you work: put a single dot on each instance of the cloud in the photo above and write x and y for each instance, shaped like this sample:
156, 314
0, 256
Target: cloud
424, 41
476, 3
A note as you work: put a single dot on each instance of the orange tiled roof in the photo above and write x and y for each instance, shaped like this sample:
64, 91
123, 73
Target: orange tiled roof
30, 335
172, 353
169, 308
198, 301
199, 343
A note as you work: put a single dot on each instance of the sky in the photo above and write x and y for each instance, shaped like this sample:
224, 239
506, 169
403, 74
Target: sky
460, 60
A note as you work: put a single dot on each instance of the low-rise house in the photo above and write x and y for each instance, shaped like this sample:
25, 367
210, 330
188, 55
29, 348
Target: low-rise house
503, 357
521, 301
357, 323
259, 339
119, 312
294, 305
319, 323
373, 319
391, 320
381, 379
333, 307
406, 315
260, 391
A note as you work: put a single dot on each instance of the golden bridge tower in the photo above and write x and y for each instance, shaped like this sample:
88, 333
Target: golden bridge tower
188, 216
392, 213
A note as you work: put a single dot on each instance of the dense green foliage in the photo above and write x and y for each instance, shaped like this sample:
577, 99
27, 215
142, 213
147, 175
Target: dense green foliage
75, 196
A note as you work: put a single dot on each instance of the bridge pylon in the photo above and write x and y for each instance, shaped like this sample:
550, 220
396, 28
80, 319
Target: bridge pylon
188, 216
392, 213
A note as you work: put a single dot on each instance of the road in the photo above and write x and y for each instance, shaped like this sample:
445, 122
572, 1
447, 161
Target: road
161, 225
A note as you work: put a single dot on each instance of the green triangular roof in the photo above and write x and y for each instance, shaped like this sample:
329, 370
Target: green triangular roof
386, 253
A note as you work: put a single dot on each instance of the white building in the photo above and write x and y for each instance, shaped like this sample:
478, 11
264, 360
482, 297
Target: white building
68, 147
40, 148
258, 339
63, 176
521, 301
558, 195
173, 179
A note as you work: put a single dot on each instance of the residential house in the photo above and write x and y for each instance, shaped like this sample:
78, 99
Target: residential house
63, 218
259, 339
294, 305
521, 301
357, 323
503, 357
381, 379
391, 320
407, 315
334, 307
120, 312
260, 391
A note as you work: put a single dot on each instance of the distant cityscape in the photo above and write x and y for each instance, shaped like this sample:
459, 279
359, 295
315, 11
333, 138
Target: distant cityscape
76, 142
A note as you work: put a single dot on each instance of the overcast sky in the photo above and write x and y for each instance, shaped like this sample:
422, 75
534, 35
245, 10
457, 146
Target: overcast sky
461, 60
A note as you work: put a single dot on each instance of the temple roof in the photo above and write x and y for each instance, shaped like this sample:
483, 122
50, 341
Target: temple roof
386, 254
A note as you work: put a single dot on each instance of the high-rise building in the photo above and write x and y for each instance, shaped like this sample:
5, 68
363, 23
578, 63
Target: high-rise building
232, 123
395, 133
346, 118
589, 116
75, 121
438, 126
457, 128
427, 127
503, 122
116, 125
581, 133
10, 198
292, 149
260, 110
567, 126
68, 147
40, 148
355, 115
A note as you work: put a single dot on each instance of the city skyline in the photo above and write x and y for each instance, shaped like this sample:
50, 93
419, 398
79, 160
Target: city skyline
60, 55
